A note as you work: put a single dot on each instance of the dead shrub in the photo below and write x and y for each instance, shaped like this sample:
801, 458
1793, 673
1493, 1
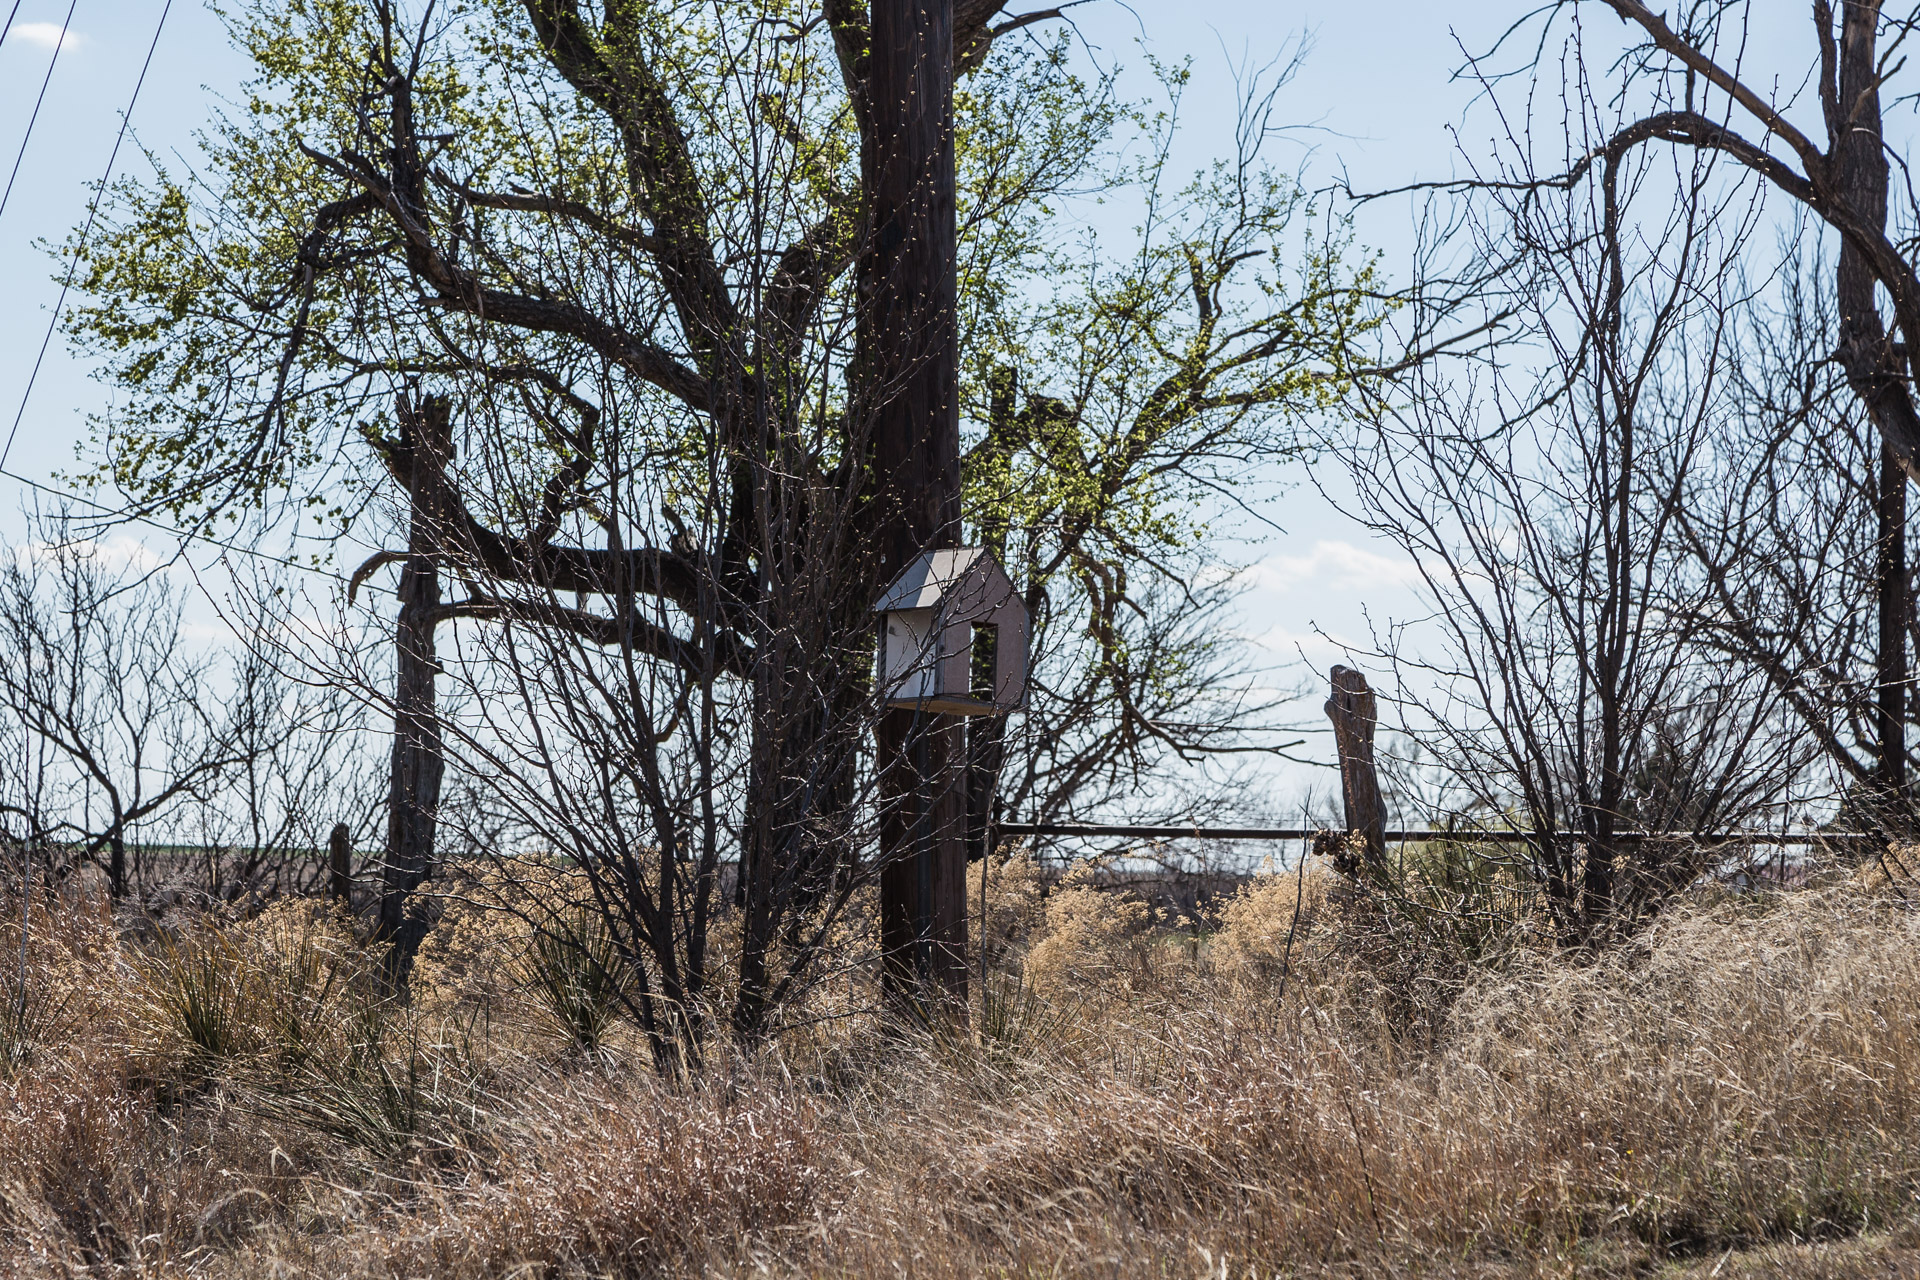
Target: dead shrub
1092, 936
1265, 924
1015, 910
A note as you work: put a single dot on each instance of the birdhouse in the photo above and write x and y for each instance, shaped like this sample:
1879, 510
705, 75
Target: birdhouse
953, 636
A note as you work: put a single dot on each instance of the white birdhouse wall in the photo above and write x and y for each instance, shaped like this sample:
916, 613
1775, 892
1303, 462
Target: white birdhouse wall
913, 666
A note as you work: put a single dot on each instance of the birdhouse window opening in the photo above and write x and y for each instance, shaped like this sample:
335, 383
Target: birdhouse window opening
983, 661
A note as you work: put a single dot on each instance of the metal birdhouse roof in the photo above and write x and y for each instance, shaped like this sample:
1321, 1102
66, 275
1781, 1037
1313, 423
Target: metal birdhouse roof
936, 574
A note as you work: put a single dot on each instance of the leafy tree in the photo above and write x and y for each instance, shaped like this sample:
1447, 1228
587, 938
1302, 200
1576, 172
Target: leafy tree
606, 260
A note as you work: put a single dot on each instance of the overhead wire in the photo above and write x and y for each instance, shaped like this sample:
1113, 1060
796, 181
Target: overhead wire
125, 515
8, 29
93, 212
38, 102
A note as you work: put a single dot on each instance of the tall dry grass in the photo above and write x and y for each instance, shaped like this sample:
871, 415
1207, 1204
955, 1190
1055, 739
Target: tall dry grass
1734, 1091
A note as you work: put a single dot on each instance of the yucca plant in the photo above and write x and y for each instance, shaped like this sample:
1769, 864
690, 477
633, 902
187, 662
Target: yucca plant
1013, 1023
203, 991
305, 979
393, 1085
1017, 1021
575, 974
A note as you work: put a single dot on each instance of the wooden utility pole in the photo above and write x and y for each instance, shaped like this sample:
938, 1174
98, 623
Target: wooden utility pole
419, 761
1355, 714
908, 338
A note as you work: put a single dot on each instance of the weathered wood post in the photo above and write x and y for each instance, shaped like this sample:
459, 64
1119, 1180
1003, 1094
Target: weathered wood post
1354, 714
340, 864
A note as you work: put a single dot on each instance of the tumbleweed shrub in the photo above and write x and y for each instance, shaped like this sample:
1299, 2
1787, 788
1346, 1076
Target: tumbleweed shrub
1091, 937
309, 969
1267, 924
465, 965
609, 1178
1015, 907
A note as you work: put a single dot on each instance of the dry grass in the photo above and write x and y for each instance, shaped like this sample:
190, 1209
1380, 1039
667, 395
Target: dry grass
1735, 1092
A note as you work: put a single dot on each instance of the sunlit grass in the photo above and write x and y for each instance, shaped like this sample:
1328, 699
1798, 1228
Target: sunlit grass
1282, 1093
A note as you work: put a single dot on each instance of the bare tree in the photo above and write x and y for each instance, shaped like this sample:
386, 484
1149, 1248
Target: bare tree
95, 678
304, 760
1689, 82
1543, 497
1784, 511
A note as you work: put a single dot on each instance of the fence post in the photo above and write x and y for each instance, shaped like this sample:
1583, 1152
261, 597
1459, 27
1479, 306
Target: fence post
1354, 714
340, 864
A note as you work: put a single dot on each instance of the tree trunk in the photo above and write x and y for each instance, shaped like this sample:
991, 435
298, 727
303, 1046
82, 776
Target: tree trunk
909, 375
1873, 372
1890, 572
413, 792
116, 863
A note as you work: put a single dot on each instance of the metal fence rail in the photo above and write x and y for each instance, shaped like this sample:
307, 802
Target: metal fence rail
1102, 830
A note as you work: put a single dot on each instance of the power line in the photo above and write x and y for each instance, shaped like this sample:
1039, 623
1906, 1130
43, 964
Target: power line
126, 515
8, 29
52, 62
93, 211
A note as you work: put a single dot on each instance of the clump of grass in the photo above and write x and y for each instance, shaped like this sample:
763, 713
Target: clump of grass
1015, 1020
398, 1084
203, 997
33, 1009
307, 968
575, 973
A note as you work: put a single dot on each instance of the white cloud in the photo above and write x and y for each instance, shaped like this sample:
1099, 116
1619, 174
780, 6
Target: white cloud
1332, 564
46, 35
118, 554
1289, 643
